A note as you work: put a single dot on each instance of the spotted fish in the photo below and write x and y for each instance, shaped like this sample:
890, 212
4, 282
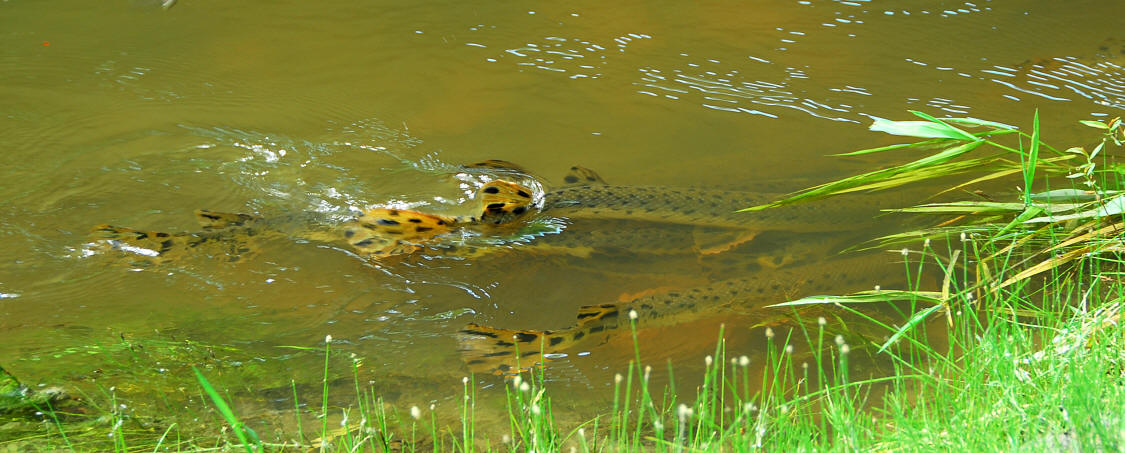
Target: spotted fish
698, 207
506, 351
375, 233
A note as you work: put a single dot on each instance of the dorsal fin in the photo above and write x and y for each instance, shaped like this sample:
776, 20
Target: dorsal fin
507, 352
502, 202
582, 176
382, 232
211, 220
497, 164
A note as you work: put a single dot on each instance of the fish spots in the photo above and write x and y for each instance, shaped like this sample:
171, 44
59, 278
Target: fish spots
555, 341
524, 337
492, 189
387, 222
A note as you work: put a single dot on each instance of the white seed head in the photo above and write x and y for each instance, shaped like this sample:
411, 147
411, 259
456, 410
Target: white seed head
525, 387
648, 371
789, 349
844, 349
805, 365
926, 243
744, 361
878, 288
684, 412
432, 406
581, 432
905, 251
708, 360
657, 425
821, 321
535, 409
516, 381
964, 237
769, 332
465, 380
415, 413
839, 340
633, 314
328, 338
617, 378
506, 439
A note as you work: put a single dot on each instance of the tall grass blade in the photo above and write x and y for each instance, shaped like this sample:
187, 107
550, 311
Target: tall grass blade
244, 433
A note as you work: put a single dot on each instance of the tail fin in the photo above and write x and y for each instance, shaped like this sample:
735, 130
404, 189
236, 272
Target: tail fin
145, 243
509, 352
231, 244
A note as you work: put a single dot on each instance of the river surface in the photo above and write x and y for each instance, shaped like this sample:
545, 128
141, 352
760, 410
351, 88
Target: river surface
126, 113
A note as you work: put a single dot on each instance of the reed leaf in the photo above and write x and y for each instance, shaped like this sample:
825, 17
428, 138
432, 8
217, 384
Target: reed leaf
842, 185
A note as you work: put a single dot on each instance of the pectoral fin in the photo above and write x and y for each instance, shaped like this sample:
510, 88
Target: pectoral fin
712, 241
211, 220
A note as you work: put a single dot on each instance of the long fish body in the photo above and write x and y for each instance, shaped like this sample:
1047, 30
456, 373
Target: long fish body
711, 208
505, 351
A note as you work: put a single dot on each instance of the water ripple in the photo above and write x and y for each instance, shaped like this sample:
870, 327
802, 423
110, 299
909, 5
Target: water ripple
1068, 78
730, 91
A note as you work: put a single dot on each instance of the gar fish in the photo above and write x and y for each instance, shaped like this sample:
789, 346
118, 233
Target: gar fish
494, 350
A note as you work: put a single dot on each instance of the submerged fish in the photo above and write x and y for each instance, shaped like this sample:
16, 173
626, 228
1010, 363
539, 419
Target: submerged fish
507, 351
375, 233
601, 218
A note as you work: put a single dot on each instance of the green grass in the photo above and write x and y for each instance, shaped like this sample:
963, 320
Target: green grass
1018, 348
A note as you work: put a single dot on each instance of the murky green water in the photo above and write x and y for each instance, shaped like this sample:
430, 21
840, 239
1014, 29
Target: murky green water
124, 113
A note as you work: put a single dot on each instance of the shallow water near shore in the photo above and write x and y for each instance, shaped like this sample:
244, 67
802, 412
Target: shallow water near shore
129, 114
